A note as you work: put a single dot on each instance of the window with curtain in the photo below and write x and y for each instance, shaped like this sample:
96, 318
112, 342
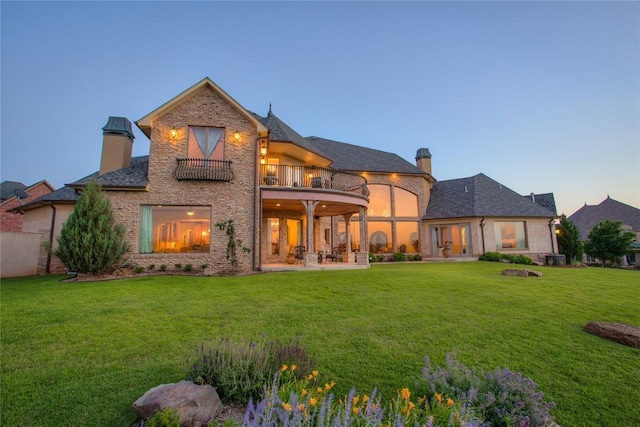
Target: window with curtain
205, 143
165, 229
510, 235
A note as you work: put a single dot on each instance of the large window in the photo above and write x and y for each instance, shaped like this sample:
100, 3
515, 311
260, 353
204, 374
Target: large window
380, 237
294, 233
206, 143
174, 229
510, 235
406, 203
407, 237
379, 200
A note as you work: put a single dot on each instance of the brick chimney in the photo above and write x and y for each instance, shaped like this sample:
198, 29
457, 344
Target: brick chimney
117, 144
423, 160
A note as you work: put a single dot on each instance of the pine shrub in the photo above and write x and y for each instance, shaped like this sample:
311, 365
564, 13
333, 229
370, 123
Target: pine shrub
90, 240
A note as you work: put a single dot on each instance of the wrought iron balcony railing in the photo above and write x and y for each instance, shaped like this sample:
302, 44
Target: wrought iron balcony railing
203, 169
312, 177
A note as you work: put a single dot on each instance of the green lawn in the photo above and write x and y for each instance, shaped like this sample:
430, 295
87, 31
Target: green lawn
81, 353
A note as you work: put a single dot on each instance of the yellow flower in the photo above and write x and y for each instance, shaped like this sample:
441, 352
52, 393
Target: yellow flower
405, 394
327, 387
365, 398
411, 405
450, 403
309, 377
303, 393
315, 373
438, 397
284, 368
355, 400
286, 406
319, 389
293, 367
356, 410
313, 401
421, 399
332, 384
301, 407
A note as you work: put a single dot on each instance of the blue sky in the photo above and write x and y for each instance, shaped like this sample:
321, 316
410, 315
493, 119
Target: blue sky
540, 96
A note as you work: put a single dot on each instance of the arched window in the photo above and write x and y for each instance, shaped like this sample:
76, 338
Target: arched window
406, 203
379, 200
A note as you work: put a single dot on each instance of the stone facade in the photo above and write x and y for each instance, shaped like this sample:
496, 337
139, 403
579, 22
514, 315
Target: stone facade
227, 200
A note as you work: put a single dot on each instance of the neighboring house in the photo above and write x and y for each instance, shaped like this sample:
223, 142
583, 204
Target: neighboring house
211, 160
588, 216
15, 194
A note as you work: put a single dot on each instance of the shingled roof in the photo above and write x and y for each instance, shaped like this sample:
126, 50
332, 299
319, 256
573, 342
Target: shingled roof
134, 177
61, 195
546, 200
8, 189
480, 196
589, 215
346, 157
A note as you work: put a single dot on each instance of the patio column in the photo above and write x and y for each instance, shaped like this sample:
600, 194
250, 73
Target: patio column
346, 256
310, 207
363, 257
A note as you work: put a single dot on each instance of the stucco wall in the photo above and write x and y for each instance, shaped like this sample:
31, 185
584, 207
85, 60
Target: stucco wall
19, 253
39, 221
228, 200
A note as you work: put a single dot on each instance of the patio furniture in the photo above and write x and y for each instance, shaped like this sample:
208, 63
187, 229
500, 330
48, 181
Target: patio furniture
299, 253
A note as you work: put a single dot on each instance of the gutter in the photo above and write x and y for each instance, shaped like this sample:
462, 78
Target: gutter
553, 251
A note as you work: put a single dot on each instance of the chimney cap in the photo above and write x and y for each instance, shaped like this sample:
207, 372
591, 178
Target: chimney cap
423, 153
118, 125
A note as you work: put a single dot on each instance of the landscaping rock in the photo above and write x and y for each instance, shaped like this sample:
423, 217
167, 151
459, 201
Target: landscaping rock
619, 332
196, 404
522, 273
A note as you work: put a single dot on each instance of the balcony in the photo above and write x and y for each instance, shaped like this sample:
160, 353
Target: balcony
203, 170
310, 177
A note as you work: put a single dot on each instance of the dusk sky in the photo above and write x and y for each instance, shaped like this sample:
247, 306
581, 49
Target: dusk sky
540, 96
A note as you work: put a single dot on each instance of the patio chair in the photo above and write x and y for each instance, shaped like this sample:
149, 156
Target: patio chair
299, 253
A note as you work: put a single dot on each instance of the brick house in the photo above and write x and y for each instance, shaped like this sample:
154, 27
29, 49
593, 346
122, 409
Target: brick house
15, 194
211, 160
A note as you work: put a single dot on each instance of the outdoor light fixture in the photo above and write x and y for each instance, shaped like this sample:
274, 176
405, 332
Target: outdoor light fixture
173, 133
262, 161
236, 136
190, 213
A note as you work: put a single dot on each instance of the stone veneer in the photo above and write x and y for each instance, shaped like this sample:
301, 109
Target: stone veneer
234, 200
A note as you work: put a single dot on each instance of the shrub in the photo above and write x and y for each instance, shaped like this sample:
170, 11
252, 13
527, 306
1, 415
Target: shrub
163, 267
501, 397
151, 267
90, 240
399, 256
204, 266
178, 266
138, 269
243, 371
417, 257
188, 267
497, 257
168, 417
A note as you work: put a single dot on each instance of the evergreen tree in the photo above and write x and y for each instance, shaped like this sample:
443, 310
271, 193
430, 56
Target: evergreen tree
608, 242
90, 240
569, 242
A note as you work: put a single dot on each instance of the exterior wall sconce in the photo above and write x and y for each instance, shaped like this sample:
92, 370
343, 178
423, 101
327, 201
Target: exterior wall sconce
173, 133
263, 151
236, 136
262, 160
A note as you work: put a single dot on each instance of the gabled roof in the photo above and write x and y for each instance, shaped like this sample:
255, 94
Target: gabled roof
589, 215
546, 200
8, 189
59, 196
146, 122
134, 177
480, 196
350, 157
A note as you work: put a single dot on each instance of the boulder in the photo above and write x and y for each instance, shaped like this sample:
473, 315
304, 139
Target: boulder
522, 273
196, 404
619, 332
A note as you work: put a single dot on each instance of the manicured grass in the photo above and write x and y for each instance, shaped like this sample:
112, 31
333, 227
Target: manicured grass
81, 353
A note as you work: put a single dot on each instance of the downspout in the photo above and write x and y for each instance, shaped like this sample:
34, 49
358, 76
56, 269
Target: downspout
53, 223
255, 196
553, 251
482, 233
